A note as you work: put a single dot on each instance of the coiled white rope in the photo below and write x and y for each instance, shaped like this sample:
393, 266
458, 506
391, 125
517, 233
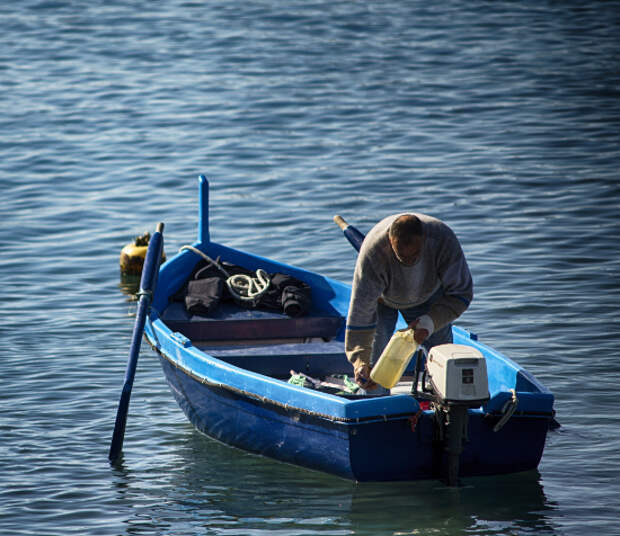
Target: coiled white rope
242, 287
245, 287
509, 408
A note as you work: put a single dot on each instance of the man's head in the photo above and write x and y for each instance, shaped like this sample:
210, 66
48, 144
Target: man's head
406, 238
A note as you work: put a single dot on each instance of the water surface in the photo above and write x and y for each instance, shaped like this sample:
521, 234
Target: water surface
500, 118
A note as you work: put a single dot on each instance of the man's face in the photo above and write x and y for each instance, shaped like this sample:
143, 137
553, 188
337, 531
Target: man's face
407, 253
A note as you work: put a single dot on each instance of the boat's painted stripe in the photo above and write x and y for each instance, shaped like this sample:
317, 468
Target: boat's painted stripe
503, 375
285, 406
531, 405
180, 350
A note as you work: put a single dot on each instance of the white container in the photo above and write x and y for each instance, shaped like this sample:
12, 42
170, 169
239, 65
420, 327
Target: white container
394, 359
458, 374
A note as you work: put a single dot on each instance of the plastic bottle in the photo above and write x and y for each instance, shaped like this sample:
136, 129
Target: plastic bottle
394, 359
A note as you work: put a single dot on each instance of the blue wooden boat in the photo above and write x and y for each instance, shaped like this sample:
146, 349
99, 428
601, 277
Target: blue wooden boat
228, 372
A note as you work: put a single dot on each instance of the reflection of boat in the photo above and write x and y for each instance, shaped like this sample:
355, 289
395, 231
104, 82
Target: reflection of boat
228, 373
507, 504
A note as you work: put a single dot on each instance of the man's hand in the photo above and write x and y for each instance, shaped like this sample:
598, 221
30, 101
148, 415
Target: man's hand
362, 377
419, 334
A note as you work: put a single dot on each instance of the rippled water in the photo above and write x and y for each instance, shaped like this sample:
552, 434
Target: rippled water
501, 118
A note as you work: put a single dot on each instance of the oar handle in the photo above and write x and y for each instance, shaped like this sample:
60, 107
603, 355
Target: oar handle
340, 222
152, 260
354, 236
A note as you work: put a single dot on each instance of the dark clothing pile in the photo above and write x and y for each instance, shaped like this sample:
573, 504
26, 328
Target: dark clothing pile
207, 288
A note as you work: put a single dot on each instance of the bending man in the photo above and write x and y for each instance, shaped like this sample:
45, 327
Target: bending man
410, 263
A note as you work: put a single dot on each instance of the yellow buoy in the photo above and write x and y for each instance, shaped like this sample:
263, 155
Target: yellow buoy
132, 255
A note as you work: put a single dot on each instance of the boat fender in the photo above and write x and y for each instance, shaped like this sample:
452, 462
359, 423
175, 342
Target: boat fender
133, 254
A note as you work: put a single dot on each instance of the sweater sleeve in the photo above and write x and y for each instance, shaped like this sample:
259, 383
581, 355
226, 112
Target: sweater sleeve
457, 283
358, 346
362, 318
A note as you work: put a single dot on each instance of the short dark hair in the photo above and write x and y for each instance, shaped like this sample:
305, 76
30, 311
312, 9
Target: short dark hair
405, 227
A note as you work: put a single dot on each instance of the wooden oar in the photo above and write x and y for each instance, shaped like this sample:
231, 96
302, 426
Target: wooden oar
147, 288
353, 235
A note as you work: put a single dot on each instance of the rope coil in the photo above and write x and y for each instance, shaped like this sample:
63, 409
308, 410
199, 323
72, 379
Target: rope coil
242, 287
247, 288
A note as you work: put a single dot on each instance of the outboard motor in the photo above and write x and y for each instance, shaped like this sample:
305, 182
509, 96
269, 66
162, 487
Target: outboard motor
458, 381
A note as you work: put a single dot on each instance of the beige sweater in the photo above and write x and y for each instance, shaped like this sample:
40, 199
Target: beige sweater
378, 274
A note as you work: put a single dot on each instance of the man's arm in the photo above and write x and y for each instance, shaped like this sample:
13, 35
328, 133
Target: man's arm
362, 317
457, 283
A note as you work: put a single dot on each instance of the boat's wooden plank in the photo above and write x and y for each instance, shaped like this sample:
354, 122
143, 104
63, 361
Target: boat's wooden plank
335, 348
314, 358
231, 322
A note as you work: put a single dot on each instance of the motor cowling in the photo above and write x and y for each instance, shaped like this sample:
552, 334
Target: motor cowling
459, 380
458, 375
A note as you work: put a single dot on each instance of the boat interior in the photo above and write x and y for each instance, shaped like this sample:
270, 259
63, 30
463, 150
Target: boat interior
267, 342
274, 344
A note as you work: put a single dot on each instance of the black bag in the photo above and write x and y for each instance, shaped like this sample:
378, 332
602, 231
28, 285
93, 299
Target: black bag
207, 288
295, 296
203, 295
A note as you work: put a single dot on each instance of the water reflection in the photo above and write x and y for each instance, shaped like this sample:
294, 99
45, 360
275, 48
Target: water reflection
220, 489
129, 285
513, 504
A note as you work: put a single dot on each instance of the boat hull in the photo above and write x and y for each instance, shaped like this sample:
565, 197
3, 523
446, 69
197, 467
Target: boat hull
383, 448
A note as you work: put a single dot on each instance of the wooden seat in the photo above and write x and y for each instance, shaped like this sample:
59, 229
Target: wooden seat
317, 359
229, 322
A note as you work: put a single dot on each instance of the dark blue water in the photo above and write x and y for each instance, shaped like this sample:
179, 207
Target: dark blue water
502, 118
